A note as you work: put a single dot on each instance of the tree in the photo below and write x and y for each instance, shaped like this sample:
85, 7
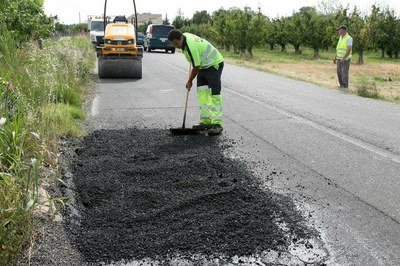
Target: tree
341, 17
379, 37
201, 17
298, 31
179, 20
209, 32
281, 33
143, 28
25, 19
166, 20
360, 31
238, 24
219, 22
256, 33
192, 28
78, 28
393, 31
61, 29
315, 25
245, 29
270, 34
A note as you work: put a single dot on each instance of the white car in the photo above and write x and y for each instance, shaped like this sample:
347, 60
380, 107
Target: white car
96, 28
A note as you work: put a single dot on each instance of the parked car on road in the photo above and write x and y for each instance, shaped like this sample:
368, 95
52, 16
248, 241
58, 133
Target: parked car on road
157, 38
140, 38
96, 29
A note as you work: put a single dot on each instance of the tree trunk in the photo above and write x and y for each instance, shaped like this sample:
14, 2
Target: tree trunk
243, 52
283, 47
271, 46
383, 52
316, 53
250, 50
360, 60
297, 48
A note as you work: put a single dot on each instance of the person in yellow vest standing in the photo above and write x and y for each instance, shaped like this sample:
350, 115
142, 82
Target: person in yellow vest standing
207, 65
343, 56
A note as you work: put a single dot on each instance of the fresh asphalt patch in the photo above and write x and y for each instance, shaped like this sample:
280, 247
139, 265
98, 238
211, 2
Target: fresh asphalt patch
146, 194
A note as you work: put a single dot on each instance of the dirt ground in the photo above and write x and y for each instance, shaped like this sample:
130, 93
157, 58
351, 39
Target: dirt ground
146, 196
384, 78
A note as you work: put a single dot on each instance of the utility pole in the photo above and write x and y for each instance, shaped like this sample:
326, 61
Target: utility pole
79, 17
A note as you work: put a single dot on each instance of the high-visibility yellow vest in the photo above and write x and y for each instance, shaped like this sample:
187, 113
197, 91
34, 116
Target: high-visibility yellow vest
204, 54
341, 47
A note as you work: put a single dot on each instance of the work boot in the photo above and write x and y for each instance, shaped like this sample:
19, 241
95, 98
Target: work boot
215, 130
202, 126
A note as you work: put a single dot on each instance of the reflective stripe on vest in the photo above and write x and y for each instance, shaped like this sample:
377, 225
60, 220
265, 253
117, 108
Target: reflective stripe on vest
205, 107
341, 47
205, 116
204, 55
216, 109
210, 59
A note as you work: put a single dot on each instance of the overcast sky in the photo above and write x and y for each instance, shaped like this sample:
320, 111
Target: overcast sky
75, 11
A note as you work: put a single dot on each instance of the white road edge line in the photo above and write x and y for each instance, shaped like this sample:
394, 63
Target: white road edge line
369, 147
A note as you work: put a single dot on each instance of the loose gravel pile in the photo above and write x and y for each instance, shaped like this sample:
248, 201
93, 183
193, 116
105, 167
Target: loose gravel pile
148, 194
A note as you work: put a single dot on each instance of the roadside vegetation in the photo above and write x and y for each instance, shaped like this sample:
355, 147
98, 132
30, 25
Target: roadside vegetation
41, 88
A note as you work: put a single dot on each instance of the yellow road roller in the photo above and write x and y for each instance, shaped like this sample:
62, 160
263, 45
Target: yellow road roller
120, 56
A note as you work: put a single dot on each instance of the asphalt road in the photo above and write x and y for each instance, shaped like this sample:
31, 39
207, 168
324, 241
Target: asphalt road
336, 154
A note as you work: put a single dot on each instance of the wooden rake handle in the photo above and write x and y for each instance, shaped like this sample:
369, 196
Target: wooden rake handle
187, 99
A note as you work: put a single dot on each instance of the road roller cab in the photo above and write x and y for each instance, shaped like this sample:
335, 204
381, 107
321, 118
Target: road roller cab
120, 39
120, 56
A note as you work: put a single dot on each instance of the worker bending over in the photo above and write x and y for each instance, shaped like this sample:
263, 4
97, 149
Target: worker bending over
207, 65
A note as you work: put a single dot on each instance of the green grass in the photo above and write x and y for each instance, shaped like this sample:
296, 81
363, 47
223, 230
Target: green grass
61, 119
41, 94
265, 55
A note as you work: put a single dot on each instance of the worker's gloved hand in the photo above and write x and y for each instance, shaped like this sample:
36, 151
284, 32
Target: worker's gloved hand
189, 85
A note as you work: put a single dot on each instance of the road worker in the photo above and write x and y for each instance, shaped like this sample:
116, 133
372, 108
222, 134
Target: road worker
343, 56
207, 64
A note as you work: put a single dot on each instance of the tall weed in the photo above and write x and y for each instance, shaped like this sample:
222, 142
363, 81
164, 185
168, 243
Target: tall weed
19, 180
40, 100
366, 87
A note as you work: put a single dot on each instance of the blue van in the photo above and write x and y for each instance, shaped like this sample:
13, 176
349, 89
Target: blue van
157, 38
